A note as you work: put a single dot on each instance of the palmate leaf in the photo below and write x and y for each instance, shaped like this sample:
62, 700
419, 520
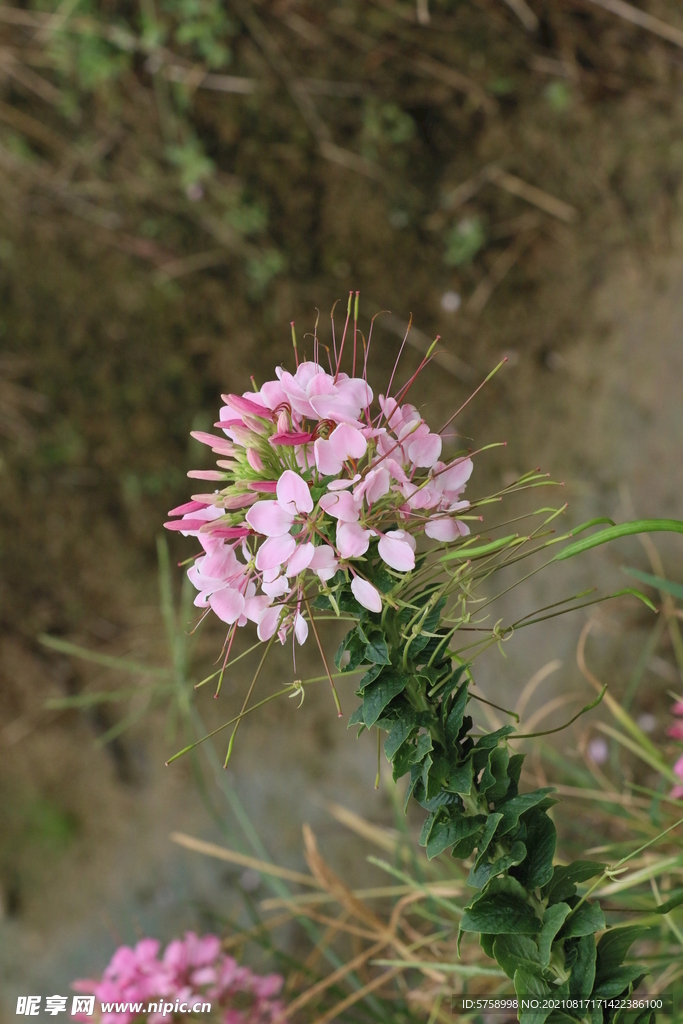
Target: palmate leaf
380, 693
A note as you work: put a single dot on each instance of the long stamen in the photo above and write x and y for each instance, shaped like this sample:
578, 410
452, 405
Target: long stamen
355, 332
322, 655
346, 325
296, 353
400, 353
334, 339
475, 392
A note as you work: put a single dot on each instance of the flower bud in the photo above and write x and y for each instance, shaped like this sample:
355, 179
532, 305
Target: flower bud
254, 460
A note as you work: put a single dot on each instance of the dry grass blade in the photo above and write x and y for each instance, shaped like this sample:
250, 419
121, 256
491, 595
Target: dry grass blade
29, 79
547, 709
637, 17
371, 986
222, 853
498, 272
31, 127
530, 193
386, 838
331, 979
456, 80
524, 13
190, 264
327, 879
533, 684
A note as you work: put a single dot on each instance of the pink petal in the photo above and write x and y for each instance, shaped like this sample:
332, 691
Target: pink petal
189, 506
456, 476
366, 594
291, 438
677, 708
378, 482
207, 474
443, 529
185, 525
677, 793
334, 407
675, 731
324, 562
272, 394
234, 501
678, 767
340, 505
293, 494
277, 587
254, 607
250, 406
425, 451
397, 551
352, 539
274, 551
268, 622
340, 485
269, 518
227, 604
301, 559
213, 441
300, 628
326, 461
348, 442
254, 460
229, 532
263, 486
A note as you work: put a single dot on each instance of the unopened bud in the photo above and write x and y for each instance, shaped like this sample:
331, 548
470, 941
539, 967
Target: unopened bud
254, 459
283, 423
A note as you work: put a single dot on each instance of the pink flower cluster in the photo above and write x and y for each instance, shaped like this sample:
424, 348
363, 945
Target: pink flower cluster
191, 970
310, 478
675, 731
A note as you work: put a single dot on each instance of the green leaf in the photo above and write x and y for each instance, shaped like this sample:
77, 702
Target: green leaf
613, 947
519, 805
583, 969
456, 714
618, 981
479, 875
675, 589
369, 677
460, 778
562, 885
491, 826
587, 919
376, 649
453, 830
615, 532
357, 717
514, 952
494, 782
553, 919
379, 694
501, 910
401, 731
528, 985
541, 839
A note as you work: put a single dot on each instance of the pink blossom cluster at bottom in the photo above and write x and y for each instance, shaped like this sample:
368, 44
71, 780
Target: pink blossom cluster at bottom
191, 969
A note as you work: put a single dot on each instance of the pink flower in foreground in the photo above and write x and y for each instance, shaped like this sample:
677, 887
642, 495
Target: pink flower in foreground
309, 478
193, 969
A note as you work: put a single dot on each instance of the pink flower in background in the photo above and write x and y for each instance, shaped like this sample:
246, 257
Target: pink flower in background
193, 969
677, 791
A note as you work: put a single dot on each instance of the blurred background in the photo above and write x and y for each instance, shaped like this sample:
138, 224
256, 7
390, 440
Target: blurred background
182, 178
